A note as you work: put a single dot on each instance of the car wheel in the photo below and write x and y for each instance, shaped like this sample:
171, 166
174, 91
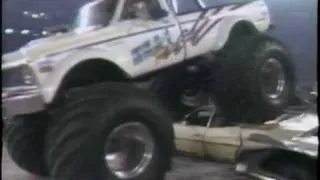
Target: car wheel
23, 137
110, 131
255, 80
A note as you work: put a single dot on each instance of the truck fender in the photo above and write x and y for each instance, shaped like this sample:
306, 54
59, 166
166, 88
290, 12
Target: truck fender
64, 63
226, 26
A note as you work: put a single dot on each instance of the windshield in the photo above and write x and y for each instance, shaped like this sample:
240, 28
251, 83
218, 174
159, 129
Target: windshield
95, 14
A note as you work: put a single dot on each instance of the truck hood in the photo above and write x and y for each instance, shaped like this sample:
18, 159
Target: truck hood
12, 59
69, 41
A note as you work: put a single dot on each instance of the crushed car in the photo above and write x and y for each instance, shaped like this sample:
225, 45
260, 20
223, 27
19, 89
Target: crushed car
287, 155
206, 132
80, 93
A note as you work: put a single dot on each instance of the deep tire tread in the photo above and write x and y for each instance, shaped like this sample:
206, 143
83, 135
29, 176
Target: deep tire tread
72, 139
24, 139
234, 83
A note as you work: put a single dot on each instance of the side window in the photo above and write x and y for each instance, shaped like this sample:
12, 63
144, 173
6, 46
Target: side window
207, 3
128, 11
153, 8
219, 120
186, 6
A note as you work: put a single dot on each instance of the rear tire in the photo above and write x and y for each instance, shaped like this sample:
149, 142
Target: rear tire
237, 81
81, 128
24, 139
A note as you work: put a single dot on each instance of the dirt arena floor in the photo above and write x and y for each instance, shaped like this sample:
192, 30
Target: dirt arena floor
184, 168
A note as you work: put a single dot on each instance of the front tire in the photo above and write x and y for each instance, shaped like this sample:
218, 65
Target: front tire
255, 80
93, 130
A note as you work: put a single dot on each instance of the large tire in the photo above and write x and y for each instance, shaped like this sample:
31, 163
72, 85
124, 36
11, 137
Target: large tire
24, 139
82, 125
236, 82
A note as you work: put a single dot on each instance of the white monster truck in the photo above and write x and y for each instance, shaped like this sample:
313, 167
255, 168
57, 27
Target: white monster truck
70, 104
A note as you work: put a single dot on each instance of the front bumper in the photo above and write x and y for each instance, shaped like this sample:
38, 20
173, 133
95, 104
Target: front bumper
21, 101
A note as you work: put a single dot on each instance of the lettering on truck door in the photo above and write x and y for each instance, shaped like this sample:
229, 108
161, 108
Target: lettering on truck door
151, 44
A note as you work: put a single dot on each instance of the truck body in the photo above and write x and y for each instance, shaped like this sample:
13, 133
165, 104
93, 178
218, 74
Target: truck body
182, 30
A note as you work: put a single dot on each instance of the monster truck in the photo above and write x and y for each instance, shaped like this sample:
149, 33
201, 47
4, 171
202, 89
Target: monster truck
74, 101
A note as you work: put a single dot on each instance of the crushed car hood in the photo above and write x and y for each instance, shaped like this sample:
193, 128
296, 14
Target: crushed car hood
296, 124
286, 126
288, 133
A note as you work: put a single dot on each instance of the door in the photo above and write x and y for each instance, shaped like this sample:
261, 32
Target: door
198, 26
222, 139
150, 41
189, 139
189, 133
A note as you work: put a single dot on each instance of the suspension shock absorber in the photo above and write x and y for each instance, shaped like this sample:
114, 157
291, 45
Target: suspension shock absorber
192, 80
194, 86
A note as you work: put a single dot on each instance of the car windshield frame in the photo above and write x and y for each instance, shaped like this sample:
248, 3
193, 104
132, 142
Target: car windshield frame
208, 109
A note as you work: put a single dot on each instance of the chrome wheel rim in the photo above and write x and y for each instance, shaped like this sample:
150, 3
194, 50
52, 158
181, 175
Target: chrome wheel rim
272, 78
129, 150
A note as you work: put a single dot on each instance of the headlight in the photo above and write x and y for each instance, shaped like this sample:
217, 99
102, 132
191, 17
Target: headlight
28, 76
17, 76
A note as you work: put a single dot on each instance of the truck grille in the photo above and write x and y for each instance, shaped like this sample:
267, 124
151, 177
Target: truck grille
12, 77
